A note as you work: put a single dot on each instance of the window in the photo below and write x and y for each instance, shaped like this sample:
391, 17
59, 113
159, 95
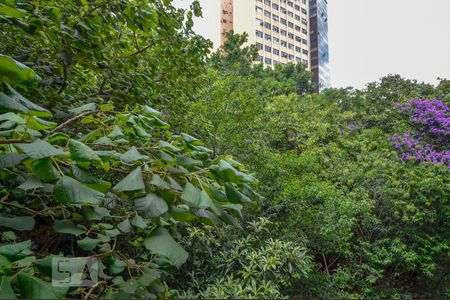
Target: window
267, 25
267, 13
290, 14
259, 45
275, 17
275, 28
268, 61
259, 22
298, 39
297, 7
290, 3
298, 59
276, 41
275, 6
290, 46
260, 58
283, 10
268, 48
297, 17
304, 1
284, 54
259, 34
304, 21
268, 37
304, 51
283, 32
304, 42
259, 10
304, 31
290, 25
290, 35
276, 52
267, 2
283, 43
304, 11
291, 57
283, 21
297, 28
298, 49
275, 62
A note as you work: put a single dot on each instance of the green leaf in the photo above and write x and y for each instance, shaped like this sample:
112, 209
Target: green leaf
166, 145
133, 182
18, 223
191, 195
83, 108
11, 11
234, 195
88, 243
35, 288
6, 291
124, 226
139, 222
151, 205
82, 153
12, 117
70, 191
82, 175
159, 182
39, 149
8, 104
132, 155
44, 170
189, 162
94, 213
116, 133
162, 243
11, 159
64, 226
39, 124
16, 251
14, 71
33, 109
191, 140
31, 183
226, 172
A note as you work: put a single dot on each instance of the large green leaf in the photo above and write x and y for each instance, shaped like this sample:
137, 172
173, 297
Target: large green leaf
16, 251
83, 108
226, 172
44, 170
14, 71
133, 182
39, 149
191, 195
159, 182
6, 291
132, 155
34, 288
33, 109
18, 223
13, 118
234, 195
65, 226
82, 153
162, 243
8, 104
151, 205
31, 183
11, 159
70, 191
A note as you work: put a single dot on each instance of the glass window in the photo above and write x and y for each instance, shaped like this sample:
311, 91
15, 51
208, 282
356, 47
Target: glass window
267, 13
267, 25
267, 2
259, 22
259, 10
276, 52
268, 48
275, 28
290, 25
290, 35
259, 33
275, 6
283, 43
283, 32
275, 17
283, 21
259, 45
268, 37
276, 41
290, 46
268, 61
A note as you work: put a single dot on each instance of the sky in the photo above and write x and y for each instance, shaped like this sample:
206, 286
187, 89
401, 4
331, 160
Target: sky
372, 38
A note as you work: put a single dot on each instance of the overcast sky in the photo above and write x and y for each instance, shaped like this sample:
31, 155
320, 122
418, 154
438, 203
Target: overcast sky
372, 38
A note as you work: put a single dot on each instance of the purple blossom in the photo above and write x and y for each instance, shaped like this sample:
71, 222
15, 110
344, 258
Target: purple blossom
429, 139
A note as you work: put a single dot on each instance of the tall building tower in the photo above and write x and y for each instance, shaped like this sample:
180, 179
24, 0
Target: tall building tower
283, 30
318, 14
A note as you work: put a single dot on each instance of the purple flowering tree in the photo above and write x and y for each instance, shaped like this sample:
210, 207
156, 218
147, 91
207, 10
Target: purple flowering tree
428, 141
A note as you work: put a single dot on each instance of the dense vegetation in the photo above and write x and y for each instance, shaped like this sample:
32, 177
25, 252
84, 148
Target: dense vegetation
344, 194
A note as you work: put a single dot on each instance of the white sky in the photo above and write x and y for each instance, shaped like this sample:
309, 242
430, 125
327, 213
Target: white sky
373, 38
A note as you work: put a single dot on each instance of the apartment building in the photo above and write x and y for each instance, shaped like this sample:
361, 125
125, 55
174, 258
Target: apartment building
283, 30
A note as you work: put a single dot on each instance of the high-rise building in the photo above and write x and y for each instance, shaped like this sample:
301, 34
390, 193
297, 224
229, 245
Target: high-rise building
319, 43
283, 30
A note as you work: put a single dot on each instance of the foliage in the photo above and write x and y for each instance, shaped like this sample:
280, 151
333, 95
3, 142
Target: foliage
130, 51
247, 265
112, 185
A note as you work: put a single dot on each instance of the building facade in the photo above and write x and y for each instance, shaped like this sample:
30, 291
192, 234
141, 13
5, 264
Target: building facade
319, 43
283, 30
